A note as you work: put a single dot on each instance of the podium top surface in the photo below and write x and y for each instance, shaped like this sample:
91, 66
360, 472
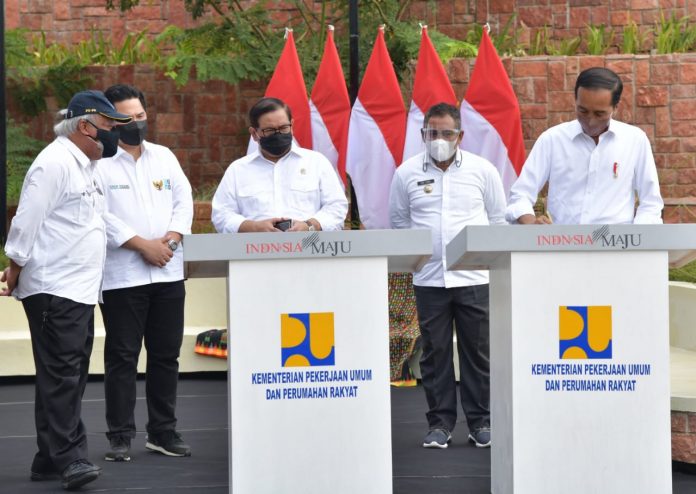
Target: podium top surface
207, 255
480, 247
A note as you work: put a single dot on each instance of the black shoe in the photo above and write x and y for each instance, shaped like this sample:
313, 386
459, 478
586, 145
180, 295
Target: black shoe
120, 449
168, 443
79, 473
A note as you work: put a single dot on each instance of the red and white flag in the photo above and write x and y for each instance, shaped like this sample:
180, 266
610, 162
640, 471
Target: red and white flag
431, 86
491, 115
376, 136
330, 108
288, 85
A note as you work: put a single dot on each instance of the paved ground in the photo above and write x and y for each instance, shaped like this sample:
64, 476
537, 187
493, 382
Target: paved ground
202, 411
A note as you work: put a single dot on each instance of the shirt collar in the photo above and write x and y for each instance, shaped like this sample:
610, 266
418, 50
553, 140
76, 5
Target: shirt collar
123, 154
295, 149
80, 157
575, 129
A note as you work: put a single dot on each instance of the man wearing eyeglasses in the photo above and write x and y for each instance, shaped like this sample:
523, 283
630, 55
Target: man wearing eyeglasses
445, 189
281, 186
56, 246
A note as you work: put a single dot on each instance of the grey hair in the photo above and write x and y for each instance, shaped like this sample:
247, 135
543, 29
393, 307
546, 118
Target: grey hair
65, 127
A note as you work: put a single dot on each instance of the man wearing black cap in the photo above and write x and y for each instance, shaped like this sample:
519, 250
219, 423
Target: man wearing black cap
56, 246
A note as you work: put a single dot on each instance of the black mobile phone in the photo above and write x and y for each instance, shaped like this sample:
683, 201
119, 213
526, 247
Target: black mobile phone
283, 225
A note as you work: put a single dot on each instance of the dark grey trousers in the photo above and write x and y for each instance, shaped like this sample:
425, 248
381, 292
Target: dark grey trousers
467, 307
62, 332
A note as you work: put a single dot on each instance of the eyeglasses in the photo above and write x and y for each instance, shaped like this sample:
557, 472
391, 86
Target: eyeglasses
283, 129
432, 134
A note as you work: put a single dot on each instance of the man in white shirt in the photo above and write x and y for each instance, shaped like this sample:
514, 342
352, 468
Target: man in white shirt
595, 166
148, 209
281, 186
445, 189
56, 246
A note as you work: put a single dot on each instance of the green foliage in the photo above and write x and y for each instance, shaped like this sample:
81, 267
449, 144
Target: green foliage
506, 41
242, 43
685, 273
38, 69
599, 39
543, 44
633, 38
4, 262
205, 192
674, 35
21, 151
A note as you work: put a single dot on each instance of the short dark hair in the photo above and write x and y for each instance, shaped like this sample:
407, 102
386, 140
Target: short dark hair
600, 78
267, 105
443, 110
122, 92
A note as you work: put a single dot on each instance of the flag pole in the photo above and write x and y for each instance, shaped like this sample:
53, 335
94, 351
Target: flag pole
354, 75
3, 130
354, 51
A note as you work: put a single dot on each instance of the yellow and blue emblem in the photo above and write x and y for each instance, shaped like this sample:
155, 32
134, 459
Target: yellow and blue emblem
585, 332
307, 339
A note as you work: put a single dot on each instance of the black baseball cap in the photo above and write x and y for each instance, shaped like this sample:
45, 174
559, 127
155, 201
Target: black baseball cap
93, 103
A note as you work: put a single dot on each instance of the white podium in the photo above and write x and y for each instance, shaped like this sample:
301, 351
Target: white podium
579, 354
308, 354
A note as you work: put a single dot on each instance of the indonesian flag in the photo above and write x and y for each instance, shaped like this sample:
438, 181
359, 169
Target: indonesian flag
431, 86
376, 136
491, 115
330, 108
287, 84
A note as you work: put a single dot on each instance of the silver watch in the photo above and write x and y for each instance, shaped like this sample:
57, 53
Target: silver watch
173, 244
310, 227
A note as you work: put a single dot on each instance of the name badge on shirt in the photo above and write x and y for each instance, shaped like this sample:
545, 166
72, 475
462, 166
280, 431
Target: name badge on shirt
427, 183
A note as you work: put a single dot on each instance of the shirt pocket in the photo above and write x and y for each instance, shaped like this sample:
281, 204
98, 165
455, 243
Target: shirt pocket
304, 194
254, 199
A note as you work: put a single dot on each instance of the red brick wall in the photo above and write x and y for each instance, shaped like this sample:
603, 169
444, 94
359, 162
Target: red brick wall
206, 123
71, 20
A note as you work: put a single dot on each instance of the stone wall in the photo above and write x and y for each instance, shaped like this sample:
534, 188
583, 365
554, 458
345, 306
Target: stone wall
206, 123
69, 21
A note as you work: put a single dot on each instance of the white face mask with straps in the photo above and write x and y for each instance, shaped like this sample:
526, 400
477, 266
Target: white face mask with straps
440, 149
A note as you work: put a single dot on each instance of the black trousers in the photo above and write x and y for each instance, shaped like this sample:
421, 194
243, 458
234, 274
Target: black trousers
467, 307
154, 312
62, 332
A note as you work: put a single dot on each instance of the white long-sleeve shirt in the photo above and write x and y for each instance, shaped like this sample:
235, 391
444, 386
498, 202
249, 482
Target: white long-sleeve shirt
58, 233
147, 198
300, 185
468, 192
590, 183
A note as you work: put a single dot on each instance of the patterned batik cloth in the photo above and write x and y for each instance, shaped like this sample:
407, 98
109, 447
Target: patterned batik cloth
404, 331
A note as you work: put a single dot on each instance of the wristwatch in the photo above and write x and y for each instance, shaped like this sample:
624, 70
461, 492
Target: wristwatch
310, 227
173, 244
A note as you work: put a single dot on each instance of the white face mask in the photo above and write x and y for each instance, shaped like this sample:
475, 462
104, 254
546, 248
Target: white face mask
441, 150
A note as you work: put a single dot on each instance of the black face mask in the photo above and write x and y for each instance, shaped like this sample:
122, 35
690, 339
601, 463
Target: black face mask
108, 139
276, 144
133, 133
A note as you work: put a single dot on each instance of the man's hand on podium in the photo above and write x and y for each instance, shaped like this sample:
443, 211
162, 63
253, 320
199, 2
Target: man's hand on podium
250, 226
530, 219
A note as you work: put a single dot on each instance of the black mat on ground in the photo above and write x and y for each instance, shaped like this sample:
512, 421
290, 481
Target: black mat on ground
202, 411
